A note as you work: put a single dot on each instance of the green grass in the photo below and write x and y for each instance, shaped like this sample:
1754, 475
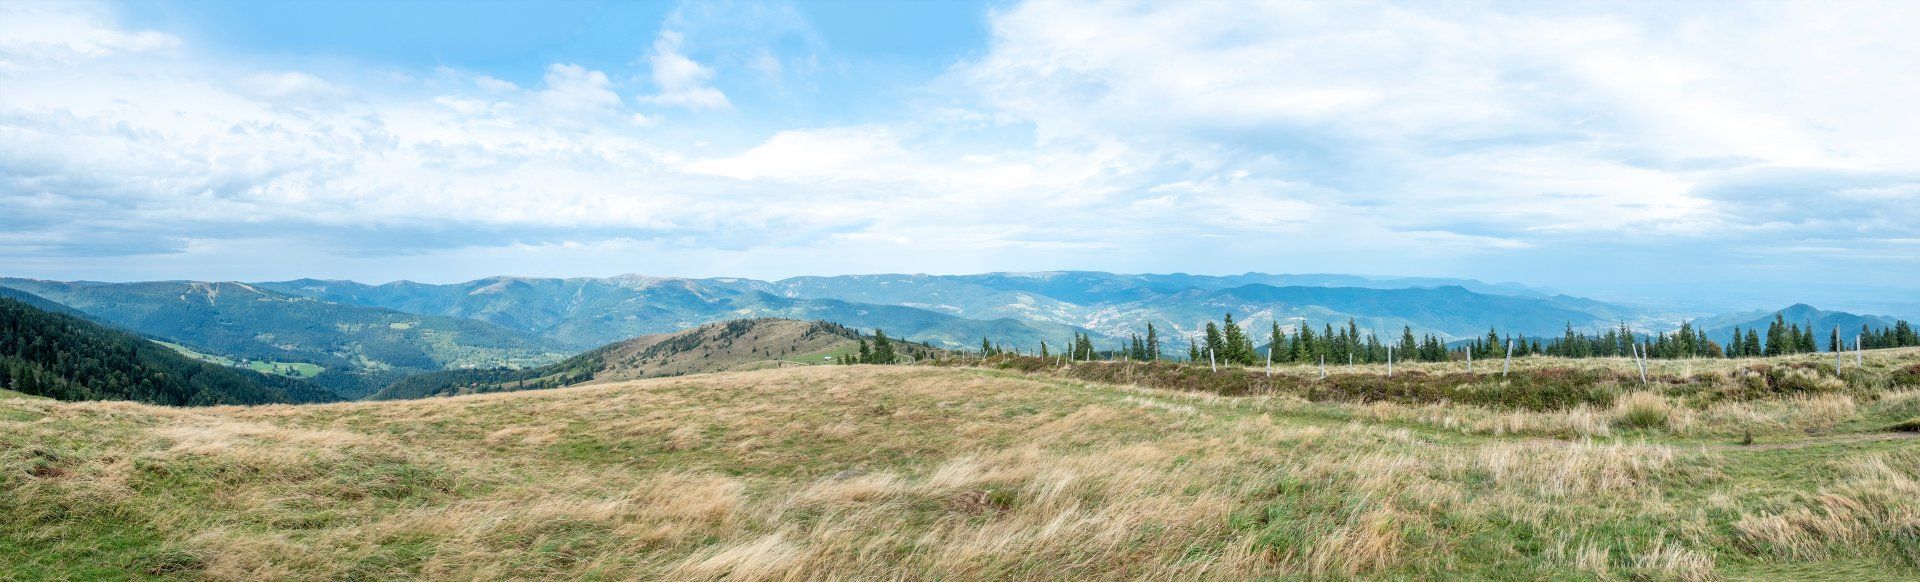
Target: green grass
866, 472
289, 369
824, 356
4, 393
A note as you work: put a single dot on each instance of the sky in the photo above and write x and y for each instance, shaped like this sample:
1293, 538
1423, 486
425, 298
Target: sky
1769, 150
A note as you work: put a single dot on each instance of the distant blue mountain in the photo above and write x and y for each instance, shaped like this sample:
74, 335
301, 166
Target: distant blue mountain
957, 310
1720, 328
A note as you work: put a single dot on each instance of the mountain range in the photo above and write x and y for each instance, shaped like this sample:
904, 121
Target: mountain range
365, 336
948, 310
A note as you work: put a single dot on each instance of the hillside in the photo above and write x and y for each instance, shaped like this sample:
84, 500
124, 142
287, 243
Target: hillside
62, 356
910, 472
361, 348
745, 344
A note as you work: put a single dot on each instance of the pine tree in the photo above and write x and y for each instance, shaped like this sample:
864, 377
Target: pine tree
1777, 336
1276, 339
1232, 339
1215, 342
882, 348
1153, 343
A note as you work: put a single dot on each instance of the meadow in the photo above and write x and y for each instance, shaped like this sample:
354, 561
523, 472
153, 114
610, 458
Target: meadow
288, 369
1013, 468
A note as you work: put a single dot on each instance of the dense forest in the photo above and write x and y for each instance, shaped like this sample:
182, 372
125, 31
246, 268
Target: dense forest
62, 356
449, 382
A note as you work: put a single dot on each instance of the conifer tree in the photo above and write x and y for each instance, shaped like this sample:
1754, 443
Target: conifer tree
1232, 340
1153, 343
1215, 343
882, 348
1276, 339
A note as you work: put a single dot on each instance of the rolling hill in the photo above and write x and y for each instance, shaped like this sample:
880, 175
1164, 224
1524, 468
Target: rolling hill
745, 344
66, 357
361, 348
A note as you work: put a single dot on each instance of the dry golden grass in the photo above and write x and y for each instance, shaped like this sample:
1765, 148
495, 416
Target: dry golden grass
919, 473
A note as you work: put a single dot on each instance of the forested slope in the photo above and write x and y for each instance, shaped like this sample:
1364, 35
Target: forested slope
68, 358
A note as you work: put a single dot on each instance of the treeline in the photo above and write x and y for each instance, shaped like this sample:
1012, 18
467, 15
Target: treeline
65, 357
484, 380
1790, 338
885, 350
1226, 342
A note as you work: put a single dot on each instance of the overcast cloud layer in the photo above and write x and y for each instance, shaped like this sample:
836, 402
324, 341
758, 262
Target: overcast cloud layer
1701, 146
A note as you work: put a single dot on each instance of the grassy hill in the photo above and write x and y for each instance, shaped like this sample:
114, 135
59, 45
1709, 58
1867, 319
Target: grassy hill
63, 356
360, 348
744, 344
910, 472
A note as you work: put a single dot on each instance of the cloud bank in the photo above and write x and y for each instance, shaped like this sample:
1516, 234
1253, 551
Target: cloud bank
1556, 144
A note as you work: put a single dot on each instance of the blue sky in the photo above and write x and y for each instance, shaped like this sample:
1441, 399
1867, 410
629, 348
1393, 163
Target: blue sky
1761, 150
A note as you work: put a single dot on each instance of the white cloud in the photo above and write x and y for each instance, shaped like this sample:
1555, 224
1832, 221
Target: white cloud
287, 84
1512, 118
50, 34
681, 81
572, 88
1169, 136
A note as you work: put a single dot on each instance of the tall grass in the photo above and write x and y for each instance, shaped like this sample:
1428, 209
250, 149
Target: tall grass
886, 472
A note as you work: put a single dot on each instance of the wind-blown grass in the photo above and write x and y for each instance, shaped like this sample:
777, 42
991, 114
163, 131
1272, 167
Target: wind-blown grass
865, 472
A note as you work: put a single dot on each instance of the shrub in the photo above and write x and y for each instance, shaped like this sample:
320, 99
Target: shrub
1644, 410
1907, 376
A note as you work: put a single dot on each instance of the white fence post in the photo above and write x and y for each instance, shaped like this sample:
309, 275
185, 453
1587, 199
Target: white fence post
1509, 363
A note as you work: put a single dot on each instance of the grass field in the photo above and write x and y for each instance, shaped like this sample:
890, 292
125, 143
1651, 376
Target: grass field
866, 472
289, 369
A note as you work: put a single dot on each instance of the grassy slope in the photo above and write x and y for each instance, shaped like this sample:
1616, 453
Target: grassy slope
288, 369
730, 346
898, 472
